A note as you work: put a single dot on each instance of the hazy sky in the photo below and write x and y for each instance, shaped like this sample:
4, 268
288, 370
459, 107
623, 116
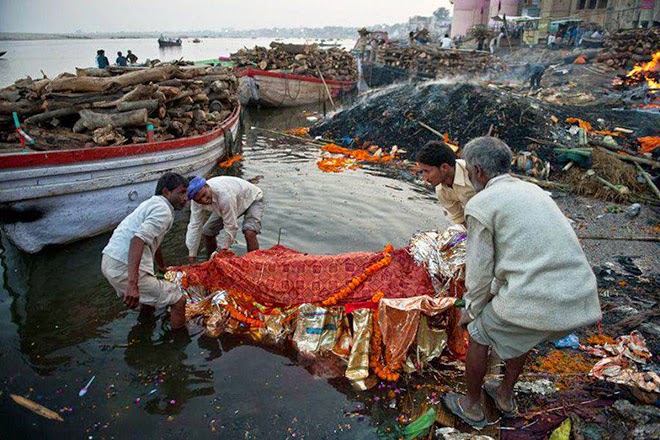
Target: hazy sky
52, 16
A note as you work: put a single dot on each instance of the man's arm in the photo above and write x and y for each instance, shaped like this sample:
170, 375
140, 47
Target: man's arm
160, 263
455, 209
479, 267
132, 294
228, 210
194, 232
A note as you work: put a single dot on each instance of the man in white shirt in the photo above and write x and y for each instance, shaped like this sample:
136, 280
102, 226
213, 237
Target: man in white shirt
449, 177
226, 198
517, 236
446, 43
128, 259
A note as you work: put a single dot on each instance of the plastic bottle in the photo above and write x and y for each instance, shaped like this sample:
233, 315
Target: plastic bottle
150, 133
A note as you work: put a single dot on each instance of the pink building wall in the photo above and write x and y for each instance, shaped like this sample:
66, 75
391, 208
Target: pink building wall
508, 7
467, 13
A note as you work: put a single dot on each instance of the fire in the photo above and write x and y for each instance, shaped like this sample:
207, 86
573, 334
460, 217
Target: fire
648, 72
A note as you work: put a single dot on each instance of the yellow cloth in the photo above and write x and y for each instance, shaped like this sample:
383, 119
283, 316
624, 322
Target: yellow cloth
454, 198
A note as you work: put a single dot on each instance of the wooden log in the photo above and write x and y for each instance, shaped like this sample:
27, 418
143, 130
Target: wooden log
93, 71
91, 120
112, 84
20, 107
49, 115
648, 180
139, 93
149, 104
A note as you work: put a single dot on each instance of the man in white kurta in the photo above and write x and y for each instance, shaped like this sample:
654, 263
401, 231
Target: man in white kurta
128, 259
518, 237
226, 198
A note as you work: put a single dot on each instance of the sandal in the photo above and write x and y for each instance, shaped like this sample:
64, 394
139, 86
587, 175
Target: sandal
491, 389
452, 403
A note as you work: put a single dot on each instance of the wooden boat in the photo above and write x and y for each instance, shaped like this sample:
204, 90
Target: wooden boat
279, 89
2, 53
57, 197
169, 42
197, 40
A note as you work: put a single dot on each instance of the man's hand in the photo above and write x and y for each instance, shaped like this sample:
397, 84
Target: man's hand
465, 320
132, 296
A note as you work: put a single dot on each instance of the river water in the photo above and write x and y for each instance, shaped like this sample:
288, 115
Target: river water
30, 57
61, 323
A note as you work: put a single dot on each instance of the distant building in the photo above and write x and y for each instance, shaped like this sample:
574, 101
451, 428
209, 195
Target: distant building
610, 14
469, 13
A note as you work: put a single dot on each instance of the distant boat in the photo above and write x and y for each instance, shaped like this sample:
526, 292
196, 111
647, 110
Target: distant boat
197, 40
169, 42
2, 53
278, 89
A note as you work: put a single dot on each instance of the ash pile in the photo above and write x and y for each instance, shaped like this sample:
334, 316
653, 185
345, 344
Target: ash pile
300, 59
431, 62
100, 107
397, 115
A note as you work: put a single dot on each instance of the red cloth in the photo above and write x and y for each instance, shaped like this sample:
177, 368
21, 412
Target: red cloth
283, 277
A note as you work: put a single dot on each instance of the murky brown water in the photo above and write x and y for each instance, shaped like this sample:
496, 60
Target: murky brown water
60, 322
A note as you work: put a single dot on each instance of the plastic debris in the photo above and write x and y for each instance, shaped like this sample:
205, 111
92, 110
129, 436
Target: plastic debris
570, 341
455, 434
543, 387
84, 389
420, 427
563, 432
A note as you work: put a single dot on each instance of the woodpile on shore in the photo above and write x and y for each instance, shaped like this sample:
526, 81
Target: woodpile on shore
299, 59
433, 61
625, 48
97, 107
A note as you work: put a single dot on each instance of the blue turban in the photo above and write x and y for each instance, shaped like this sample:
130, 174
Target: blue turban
194, 186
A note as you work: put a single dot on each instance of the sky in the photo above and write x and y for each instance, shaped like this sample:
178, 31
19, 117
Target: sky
63, 16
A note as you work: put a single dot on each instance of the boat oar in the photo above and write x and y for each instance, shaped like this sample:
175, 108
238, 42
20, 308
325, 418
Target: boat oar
327, 90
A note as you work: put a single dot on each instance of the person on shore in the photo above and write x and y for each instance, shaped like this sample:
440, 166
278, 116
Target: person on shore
101, 60
449, 177
131, 57
226, 198
446, 43
121, 60
519, 238
535, 73
128, 259
491, 45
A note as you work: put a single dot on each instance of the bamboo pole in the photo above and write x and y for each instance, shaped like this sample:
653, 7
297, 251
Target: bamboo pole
431, 129
279, 133
327, 90
648, 180
642, 160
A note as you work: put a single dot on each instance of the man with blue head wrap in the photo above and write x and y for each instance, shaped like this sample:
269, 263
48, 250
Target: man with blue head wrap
227, 198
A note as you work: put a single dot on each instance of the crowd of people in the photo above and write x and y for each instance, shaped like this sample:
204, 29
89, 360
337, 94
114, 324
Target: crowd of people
102, 61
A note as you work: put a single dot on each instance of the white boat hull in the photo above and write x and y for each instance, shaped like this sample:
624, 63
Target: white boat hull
78, 200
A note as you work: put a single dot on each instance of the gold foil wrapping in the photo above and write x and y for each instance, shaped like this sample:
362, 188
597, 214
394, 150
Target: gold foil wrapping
358, 361
430, 344
317, 328
442, 254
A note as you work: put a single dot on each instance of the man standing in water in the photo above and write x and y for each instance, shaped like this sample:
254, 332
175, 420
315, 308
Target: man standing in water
449, 177
518, 236
226, 198
128, 259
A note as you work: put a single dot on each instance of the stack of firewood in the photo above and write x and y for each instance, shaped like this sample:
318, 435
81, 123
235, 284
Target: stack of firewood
114, 106
625, 48
434, 61
300, 59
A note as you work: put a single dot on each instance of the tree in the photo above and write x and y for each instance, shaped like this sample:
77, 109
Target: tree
441, 14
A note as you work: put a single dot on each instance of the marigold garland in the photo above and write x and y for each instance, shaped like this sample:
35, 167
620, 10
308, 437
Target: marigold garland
356, 281
300, 131
384, 372
229, 162
238, 316
335, 165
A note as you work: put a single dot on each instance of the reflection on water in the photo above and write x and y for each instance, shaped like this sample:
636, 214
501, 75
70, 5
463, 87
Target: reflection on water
61, 323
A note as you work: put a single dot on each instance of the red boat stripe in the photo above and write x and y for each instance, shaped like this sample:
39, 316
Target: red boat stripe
256, 72
59, 157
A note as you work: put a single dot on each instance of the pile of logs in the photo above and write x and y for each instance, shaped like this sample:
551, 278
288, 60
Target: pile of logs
300, 59
433, 61
626, 48
98, 107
